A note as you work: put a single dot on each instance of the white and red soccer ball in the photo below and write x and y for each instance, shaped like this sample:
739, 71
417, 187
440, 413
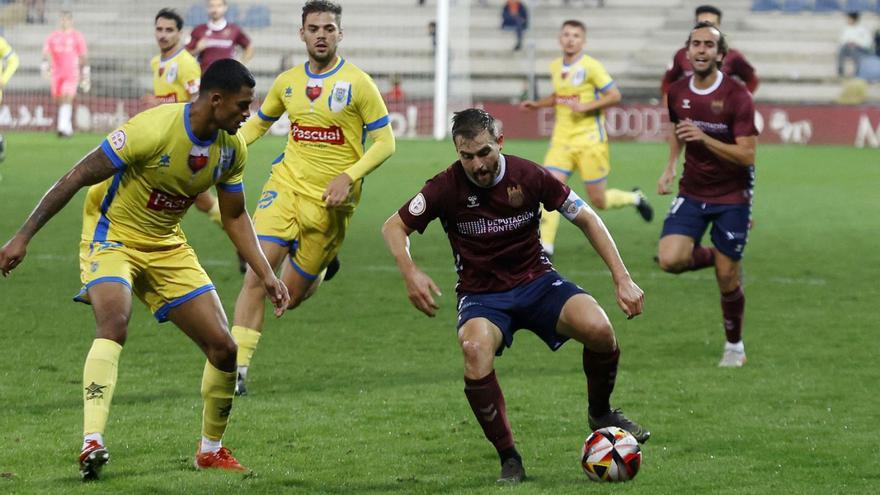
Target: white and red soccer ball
611, 454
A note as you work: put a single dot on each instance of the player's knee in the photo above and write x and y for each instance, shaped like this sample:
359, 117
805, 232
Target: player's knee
671, 264
113, 328
475, 351
603, 338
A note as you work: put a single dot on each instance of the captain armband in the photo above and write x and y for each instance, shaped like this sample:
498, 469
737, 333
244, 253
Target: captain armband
571, 206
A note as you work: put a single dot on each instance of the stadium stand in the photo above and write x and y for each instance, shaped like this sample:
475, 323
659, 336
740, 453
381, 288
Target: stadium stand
794, 52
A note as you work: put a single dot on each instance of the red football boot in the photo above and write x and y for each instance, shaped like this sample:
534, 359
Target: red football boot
222, 459
92, 459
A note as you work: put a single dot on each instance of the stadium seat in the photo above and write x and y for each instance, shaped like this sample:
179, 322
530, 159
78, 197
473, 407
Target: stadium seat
195, 15
257, 17
869, 68
766, 5
797, 5
827, 6
860, 5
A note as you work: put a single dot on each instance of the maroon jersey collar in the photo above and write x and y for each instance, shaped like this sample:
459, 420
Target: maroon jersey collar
502, 167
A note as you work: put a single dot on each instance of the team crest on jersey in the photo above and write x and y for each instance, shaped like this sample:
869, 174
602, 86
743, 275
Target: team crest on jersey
171, 74
314, 88
417, 205
515, 196
227, 158
117, 139
579, 76
717, 106
198, 158
340, 97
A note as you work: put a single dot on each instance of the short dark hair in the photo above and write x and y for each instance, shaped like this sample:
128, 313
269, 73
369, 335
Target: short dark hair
471, 122
228, 75
575, 23
854, 15
170, 14
722, 41
707, 9
313, 6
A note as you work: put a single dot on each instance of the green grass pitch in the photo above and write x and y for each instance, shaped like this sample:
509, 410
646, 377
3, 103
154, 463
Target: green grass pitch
358, 393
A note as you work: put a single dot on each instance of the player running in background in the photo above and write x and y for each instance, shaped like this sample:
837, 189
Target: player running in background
218, 38
582, 89
735, 64
489, 205
176, 76
65, 63
714, 119
312, 192
144, 176
9, 62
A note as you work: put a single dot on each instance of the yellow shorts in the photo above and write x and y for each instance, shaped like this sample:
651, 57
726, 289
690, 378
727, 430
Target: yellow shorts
591, 162
311, 232
162, 279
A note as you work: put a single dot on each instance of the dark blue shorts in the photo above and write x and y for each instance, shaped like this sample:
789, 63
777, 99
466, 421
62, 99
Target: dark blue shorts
730, 223
535, 306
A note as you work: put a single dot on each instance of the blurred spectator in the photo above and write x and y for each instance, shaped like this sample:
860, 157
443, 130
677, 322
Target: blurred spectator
855, 42
36, 11
515, 17
432, 32
218, 38
65, 64
396, 93
877, 42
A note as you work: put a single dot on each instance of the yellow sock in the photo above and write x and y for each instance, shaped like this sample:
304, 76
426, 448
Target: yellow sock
615, 198
247, 340
214, 213
217, 389
549, 227
99, 380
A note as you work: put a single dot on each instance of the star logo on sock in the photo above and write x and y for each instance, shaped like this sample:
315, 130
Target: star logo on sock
95, 391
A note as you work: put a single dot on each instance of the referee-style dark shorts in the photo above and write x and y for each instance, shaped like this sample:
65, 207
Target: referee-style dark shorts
730, 224
534, 306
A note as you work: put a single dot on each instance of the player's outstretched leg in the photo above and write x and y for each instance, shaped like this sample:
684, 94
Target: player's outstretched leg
479, 338
643, 206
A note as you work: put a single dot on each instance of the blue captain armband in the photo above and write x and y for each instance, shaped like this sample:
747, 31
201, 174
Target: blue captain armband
571, 206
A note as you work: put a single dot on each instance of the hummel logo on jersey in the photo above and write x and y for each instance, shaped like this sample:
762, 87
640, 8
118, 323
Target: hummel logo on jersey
489, 412
557, 283
95, 391
686, 103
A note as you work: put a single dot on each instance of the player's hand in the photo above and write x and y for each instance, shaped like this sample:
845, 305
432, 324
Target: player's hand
630, 298
45, 70
575, 106
420, 286
11, 255
528, 105
687, 131
337, 190
664, 185
201, 45
276, 291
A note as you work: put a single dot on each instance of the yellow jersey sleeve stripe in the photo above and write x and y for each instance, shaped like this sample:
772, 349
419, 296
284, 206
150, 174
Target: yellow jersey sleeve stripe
265, 117
377, 124
606, 87
237, 187
108, 150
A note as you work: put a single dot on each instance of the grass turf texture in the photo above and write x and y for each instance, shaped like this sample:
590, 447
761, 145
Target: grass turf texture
357, 392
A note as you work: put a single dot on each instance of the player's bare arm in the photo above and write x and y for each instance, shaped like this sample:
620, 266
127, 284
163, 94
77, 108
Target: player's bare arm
545, 102
419, 285
607, 99
238, 226
664, 184
742, 152
630, 296
92, 169
247, 54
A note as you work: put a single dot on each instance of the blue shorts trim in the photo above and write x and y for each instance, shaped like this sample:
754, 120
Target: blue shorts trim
305, 274
596, 181
534, 306
162, 313
560, 170
80, 296
279, 159
276, 240
730, 224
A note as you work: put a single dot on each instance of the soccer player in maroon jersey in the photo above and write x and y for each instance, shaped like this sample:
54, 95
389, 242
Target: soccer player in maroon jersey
490, 206
735, 63
218, 38
714, 119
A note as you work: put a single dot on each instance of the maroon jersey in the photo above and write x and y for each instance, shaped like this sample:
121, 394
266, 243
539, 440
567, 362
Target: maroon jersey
220, 42
493, 230
725, 112
734, 65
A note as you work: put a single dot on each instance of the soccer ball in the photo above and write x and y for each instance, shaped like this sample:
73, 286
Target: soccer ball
611, 454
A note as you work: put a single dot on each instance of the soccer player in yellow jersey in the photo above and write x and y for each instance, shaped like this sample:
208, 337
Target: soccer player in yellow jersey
144, 177
311, 194
582, 89
176, 76
9, 61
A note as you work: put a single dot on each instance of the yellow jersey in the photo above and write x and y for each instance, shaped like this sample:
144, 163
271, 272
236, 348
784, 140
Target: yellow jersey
162, 167
176, 78
330, 114
581, 81
9, 60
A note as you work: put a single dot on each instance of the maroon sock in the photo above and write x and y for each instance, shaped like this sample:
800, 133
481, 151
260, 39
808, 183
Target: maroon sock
701, 257
601, 371
733, 305
487, 403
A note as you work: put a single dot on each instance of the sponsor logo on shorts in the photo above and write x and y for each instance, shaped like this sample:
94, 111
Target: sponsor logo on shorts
117, 139
266, 199
329, 135
93, 266
162, 201
417, 205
